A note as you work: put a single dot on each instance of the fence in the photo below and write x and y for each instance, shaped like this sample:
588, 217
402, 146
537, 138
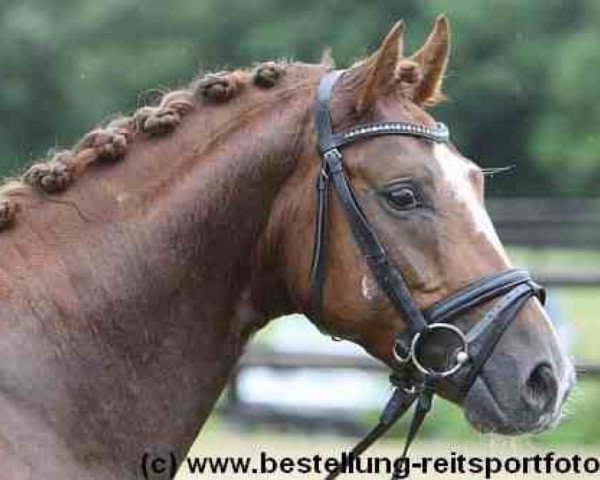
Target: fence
573, 224
532, 223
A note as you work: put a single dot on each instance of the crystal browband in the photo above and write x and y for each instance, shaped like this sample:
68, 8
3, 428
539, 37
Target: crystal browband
439, 133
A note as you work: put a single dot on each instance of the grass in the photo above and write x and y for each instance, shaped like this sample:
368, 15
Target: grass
582, 307
555, 260
579, 305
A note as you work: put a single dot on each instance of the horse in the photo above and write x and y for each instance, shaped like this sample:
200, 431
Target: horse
136, 266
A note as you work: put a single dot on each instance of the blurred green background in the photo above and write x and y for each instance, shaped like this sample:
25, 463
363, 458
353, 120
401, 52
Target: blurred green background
522, 87
523, 78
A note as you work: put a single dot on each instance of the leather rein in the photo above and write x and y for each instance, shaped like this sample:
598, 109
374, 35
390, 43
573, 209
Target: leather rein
413, 378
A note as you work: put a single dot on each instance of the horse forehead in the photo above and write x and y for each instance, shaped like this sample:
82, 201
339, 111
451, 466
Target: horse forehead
394, 110
454, 170
455, 173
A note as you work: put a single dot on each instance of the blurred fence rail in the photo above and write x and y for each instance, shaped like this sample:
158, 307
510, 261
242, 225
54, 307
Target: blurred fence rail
548, 223
292, 361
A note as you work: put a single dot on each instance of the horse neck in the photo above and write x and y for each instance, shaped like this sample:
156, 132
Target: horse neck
148, 314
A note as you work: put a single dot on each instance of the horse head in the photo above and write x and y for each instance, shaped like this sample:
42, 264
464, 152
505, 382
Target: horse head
424, 201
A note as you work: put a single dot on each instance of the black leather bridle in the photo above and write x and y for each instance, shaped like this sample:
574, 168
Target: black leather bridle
414, 379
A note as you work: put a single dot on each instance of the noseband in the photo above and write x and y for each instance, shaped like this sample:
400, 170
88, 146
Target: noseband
414, 379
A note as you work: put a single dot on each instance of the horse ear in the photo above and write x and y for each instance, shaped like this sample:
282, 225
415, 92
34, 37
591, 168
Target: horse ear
375, 76
432, 59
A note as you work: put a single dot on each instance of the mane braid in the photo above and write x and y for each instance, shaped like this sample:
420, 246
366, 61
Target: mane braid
111, 142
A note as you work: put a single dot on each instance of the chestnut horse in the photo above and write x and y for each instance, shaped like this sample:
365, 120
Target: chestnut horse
135, 267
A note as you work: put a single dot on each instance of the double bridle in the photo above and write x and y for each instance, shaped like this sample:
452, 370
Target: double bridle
414, 379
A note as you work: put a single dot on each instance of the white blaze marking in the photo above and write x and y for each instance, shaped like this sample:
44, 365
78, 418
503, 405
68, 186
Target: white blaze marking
456, 172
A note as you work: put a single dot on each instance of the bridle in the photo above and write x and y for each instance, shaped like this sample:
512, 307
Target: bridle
413, 378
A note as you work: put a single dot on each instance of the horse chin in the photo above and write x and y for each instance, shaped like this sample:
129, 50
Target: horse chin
487, 414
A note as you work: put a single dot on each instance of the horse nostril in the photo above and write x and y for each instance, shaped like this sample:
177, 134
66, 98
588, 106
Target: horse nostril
541, 389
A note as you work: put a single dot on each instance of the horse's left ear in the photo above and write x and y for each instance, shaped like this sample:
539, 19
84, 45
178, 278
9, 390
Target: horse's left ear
375, 76
432, 58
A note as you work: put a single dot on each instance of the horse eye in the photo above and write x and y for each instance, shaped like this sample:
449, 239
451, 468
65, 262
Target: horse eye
403, 198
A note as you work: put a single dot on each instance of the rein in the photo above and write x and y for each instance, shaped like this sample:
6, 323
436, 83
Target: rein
414, 380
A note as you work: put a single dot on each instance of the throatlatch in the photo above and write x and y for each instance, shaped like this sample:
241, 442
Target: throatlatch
413, 379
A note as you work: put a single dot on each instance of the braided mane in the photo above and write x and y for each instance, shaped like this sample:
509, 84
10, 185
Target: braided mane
110, 143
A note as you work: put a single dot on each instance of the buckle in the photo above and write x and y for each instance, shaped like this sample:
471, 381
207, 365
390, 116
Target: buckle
333, 160
460, 359
398, 356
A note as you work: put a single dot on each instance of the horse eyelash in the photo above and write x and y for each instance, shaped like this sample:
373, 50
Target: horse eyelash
490, 172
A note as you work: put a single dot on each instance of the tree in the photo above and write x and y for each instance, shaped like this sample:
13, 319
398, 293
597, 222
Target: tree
521, 78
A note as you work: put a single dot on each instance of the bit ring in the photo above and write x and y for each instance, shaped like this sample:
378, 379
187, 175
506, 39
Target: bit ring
461, 358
